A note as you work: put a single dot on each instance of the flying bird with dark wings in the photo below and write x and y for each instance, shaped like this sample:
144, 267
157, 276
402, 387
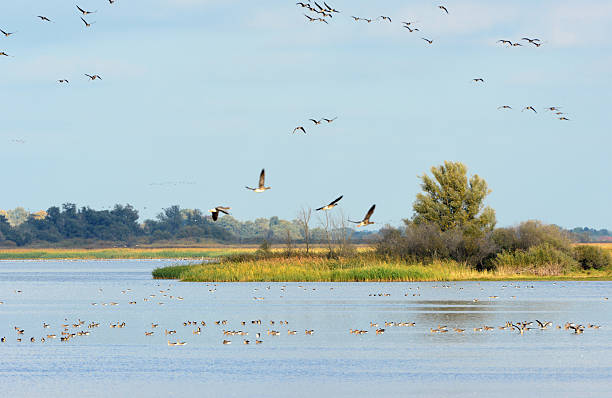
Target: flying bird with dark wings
63, 81
7, 34
261, 187
84, 12
299, 128
427, 40
443, 8
219, 209
93, 77
529, 108
43, 18
87, 24
478, 79
331, 205
366, 219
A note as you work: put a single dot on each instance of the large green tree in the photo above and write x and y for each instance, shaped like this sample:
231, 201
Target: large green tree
452, 200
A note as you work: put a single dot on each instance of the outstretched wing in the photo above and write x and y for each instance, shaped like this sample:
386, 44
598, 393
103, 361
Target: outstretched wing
336, 201
369, 213
262, 178
80, 9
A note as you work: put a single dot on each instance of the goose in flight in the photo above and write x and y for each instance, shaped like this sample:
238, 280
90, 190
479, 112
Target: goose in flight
261, 187
331, 205
4, 54
479, 79
330, 9
93, 77
87, 24
366, 219
504, 107
530, 40
427, 40
316, 121
385, 18
411, 29
219, 209
553, 108
502, 41
43, 18
300, 128
7, 34
530, 108
63, 81
563, 118
84, 12
443, 8
329, 120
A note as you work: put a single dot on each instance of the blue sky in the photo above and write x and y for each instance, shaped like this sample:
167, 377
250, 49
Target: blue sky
198, 95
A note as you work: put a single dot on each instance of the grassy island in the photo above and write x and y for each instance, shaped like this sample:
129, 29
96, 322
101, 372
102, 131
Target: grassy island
360, 267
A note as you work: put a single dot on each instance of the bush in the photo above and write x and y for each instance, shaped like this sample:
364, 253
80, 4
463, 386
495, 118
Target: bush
592, 257
532, 233
544, 259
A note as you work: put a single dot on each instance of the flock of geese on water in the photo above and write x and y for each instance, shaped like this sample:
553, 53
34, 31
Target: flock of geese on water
69, 330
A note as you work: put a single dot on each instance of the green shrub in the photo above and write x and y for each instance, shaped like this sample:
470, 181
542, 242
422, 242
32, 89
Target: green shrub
592, 257
544, 259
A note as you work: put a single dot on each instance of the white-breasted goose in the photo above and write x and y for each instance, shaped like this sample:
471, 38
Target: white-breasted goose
261, 187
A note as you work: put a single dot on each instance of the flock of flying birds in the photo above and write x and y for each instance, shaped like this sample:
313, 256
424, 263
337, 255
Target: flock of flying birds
325, 13
261, 187
82, 13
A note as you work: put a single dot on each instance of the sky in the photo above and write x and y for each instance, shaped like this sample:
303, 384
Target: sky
197, 96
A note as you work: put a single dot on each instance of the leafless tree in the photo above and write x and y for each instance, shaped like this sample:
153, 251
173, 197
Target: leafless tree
304, 220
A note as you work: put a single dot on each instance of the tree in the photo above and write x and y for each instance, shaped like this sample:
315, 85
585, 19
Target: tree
451, 200
304, 220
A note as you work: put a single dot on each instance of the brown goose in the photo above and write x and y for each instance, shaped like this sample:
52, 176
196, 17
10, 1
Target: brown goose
261, 187
219, 209
366, 219
331, 205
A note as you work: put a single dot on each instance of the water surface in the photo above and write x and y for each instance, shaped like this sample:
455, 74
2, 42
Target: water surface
404, 361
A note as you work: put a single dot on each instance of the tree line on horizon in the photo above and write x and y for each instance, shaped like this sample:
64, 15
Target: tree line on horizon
69, 224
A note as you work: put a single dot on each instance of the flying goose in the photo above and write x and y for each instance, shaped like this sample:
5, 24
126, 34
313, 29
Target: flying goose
87, 24
316, 121
478, 79
63, 81
219, 209
329, 120
299, 128
93, 77
504, 107
443, 8
331, 205
261, 187
366, 219
84, 12
7, 34
43, 18
427, 40
531, 108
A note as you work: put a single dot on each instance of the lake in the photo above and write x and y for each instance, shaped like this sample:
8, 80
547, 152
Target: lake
331, 362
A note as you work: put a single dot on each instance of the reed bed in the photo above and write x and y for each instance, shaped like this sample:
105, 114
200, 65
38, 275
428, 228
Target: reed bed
116, 253
354, 269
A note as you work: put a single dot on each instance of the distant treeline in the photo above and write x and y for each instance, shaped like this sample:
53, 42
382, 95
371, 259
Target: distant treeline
68, 224
588, 235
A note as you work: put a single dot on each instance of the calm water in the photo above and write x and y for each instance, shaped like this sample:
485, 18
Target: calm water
404, 361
